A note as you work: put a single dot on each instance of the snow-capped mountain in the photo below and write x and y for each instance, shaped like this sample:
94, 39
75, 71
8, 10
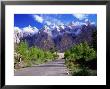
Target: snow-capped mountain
61, 36
23, 32
55, 30
17, 34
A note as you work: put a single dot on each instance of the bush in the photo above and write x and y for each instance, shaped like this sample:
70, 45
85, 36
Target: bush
80, 71
22, 49
81, 51
32, 55
83, 71
81, 60
94, 41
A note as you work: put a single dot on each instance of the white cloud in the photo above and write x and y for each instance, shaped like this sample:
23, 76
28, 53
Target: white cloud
48, 22
93, 23
86, 20
80, 16
38, 18
56, 21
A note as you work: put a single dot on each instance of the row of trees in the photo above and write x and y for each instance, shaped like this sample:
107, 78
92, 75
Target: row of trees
81, 59
31, 55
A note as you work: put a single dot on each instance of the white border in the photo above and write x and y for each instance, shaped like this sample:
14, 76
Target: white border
100, 79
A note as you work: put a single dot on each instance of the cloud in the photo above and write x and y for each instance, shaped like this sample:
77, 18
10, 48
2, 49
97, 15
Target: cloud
48, 22
93, 23
86, 20
51, 20
80, 16
38, 18
57, 21
47, 19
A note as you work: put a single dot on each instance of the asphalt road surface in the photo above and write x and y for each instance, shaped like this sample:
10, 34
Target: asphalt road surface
53, 68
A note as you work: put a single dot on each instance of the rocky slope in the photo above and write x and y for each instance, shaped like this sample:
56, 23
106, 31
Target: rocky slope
58, 38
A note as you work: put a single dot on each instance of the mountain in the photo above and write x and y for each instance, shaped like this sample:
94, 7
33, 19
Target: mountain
60, 37
43, 40
17, 35
63, 42
24, 32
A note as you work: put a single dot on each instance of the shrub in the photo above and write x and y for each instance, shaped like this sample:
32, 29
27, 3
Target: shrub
80, 71
94, 41
80, 59
81, 51
32, 55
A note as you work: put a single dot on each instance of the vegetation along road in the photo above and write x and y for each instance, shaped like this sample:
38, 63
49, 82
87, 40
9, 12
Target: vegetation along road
52, 68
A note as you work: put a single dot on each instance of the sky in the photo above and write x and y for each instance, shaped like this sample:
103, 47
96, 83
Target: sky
39, 20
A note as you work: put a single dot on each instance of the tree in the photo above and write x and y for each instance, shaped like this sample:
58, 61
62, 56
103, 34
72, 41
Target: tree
81, 51
94, 41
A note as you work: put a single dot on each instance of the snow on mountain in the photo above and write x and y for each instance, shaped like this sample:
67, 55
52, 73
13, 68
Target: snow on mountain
30, 29
47, 30
35, 29
17, 29
54, 27
17, 34
62, 26
62, 36
58, 29
52, 30
23, 32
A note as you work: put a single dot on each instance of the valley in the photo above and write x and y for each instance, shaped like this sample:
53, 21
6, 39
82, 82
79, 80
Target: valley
62, 50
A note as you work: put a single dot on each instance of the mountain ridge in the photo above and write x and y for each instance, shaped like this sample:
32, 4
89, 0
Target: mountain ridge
60, 37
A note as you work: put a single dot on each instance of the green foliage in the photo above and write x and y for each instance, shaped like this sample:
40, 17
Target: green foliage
22, 49
78, 57
80, 71
33, 55
94, 42
80, 51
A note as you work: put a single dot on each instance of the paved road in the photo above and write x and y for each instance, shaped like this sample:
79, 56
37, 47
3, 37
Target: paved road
53, 68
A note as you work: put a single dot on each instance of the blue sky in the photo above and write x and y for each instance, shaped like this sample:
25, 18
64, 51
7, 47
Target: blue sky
39, 20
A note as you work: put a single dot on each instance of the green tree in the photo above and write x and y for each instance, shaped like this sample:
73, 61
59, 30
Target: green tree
94, 41
81, 51
32, 55
79, 59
